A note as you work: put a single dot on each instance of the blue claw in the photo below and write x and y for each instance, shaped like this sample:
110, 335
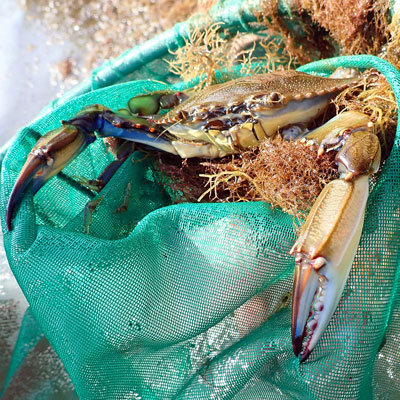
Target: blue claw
51, 154
57, 148
134, 129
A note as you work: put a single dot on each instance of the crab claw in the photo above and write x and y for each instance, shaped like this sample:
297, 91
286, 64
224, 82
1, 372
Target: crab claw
51, 154
328, 241
324, 255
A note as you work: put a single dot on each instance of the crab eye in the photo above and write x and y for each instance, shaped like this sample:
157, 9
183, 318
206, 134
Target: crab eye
275, 97
345, 132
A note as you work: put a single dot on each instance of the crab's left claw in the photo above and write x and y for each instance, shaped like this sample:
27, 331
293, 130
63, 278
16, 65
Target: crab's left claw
328, 241
51, 154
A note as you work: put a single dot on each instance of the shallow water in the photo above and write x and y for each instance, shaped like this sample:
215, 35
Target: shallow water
53, 45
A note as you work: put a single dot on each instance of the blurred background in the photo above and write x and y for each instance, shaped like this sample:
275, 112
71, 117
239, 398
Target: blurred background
49, 46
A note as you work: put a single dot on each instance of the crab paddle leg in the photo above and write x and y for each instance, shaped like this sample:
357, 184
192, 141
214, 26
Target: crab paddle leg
328, 241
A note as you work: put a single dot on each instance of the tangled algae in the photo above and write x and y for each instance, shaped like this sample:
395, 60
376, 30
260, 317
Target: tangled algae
306, 31
286, 174
392, 53
358, 26
374, 97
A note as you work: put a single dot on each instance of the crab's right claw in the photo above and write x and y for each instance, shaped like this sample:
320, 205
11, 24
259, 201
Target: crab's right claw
324, 255
51, 154
328, 241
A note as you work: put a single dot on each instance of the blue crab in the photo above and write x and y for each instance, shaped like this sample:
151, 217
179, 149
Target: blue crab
225, 119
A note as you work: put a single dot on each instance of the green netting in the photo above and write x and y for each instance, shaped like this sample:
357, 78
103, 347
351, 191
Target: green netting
191, 301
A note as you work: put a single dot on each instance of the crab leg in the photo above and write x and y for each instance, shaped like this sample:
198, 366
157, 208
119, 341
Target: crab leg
49, 156
57, 148
328, 241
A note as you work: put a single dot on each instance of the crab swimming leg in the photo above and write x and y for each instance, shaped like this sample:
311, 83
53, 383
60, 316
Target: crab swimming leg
328, 241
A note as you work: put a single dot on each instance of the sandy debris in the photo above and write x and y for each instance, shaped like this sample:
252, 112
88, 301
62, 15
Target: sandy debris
103, 29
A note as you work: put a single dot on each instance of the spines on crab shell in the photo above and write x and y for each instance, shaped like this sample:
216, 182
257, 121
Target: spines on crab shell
248, 94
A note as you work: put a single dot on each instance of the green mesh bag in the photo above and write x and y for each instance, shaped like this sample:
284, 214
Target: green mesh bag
191, 301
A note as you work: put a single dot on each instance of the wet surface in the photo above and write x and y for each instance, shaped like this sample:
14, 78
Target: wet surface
25, 82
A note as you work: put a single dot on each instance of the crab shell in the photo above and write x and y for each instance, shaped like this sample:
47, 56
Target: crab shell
226, 118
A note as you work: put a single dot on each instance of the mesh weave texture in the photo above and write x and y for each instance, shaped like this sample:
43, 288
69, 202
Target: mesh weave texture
192, 301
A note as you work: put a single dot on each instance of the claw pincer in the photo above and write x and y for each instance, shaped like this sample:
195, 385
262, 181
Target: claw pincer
226, 119
50, 155
328, 241
57, 148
